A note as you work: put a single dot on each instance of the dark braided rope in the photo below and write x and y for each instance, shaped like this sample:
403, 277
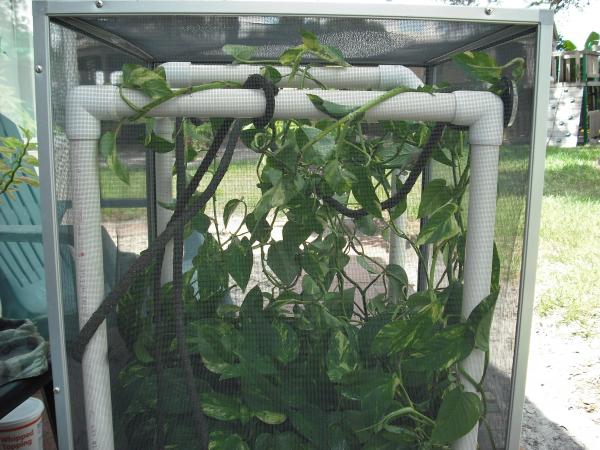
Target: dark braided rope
159, 436
419, 166
184, 355
192, 206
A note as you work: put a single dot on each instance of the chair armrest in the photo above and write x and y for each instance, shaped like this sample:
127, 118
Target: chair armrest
32, 233
21, 233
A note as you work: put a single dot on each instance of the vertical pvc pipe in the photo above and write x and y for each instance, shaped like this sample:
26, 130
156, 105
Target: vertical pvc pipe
164, 192
90, 291
397, 248
478, 257
391, 76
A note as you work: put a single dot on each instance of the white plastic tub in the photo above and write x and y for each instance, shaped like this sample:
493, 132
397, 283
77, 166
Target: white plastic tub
22, 429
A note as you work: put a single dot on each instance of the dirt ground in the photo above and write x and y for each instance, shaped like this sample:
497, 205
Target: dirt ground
562, 409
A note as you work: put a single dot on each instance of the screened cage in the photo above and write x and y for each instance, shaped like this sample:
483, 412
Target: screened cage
290, 225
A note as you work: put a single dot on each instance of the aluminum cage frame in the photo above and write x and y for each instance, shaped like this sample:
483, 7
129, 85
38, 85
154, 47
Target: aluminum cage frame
45, 11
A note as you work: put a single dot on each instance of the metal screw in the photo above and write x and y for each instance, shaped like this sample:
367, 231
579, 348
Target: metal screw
99, 3
561, 123
38, 68
567, 134
489, 11
56, 390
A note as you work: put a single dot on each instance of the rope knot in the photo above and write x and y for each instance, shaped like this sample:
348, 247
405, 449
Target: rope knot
256, 81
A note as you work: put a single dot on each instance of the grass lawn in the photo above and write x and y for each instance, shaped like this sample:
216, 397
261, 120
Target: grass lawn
568, 276
239, 182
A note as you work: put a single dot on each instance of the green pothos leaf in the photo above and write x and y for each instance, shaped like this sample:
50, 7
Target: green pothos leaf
320, 152
140, 350
495, 283
271, 417
435, 195
220, 440
288, 344
108, 149
271, 74
230, 208
342, 357
441, 226
330, 108
310, 40
149, 124
158, 144
338, 178
399, 209
480, 321
366, 225
108, 144
333, 55
396, 336
459, 413
239, 259
291, 56
153, 83
452, 344
479, 64
220, 406
366, 264
240, 53
364, 192
201, 223
281, 258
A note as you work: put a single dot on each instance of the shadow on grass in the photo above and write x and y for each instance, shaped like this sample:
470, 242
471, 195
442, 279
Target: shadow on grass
576, 181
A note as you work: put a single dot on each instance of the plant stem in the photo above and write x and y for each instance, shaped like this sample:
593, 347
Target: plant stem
15, 168
356, 114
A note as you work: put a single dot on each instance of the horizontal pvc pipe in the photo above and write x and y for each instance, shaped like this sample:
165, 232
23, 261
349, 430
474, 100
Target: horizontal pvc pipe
90, 291
482, 111
383, 77
478, 257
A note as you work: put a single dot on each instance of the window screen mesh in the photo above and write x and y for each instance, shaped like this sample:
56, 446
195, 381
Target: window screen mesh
201, 38
509, 230
286, 368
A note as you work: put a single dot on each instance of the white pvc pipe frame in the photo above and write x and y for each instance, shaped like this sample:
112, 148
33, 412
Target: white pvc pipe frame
87, 106
381, 77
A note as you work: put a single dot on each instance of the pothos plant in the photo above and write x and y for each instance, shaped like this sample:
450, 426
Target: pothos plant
17, 165
318, 360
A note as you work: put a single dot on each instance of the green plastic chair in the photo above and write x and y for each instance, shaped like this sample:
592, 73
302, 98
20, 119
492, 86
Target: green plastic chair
22, 279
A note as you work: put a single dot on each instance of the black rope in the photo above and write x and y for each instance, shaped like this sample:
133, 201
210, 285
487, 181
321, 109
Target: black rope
433, 141
177, 222
159, 436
